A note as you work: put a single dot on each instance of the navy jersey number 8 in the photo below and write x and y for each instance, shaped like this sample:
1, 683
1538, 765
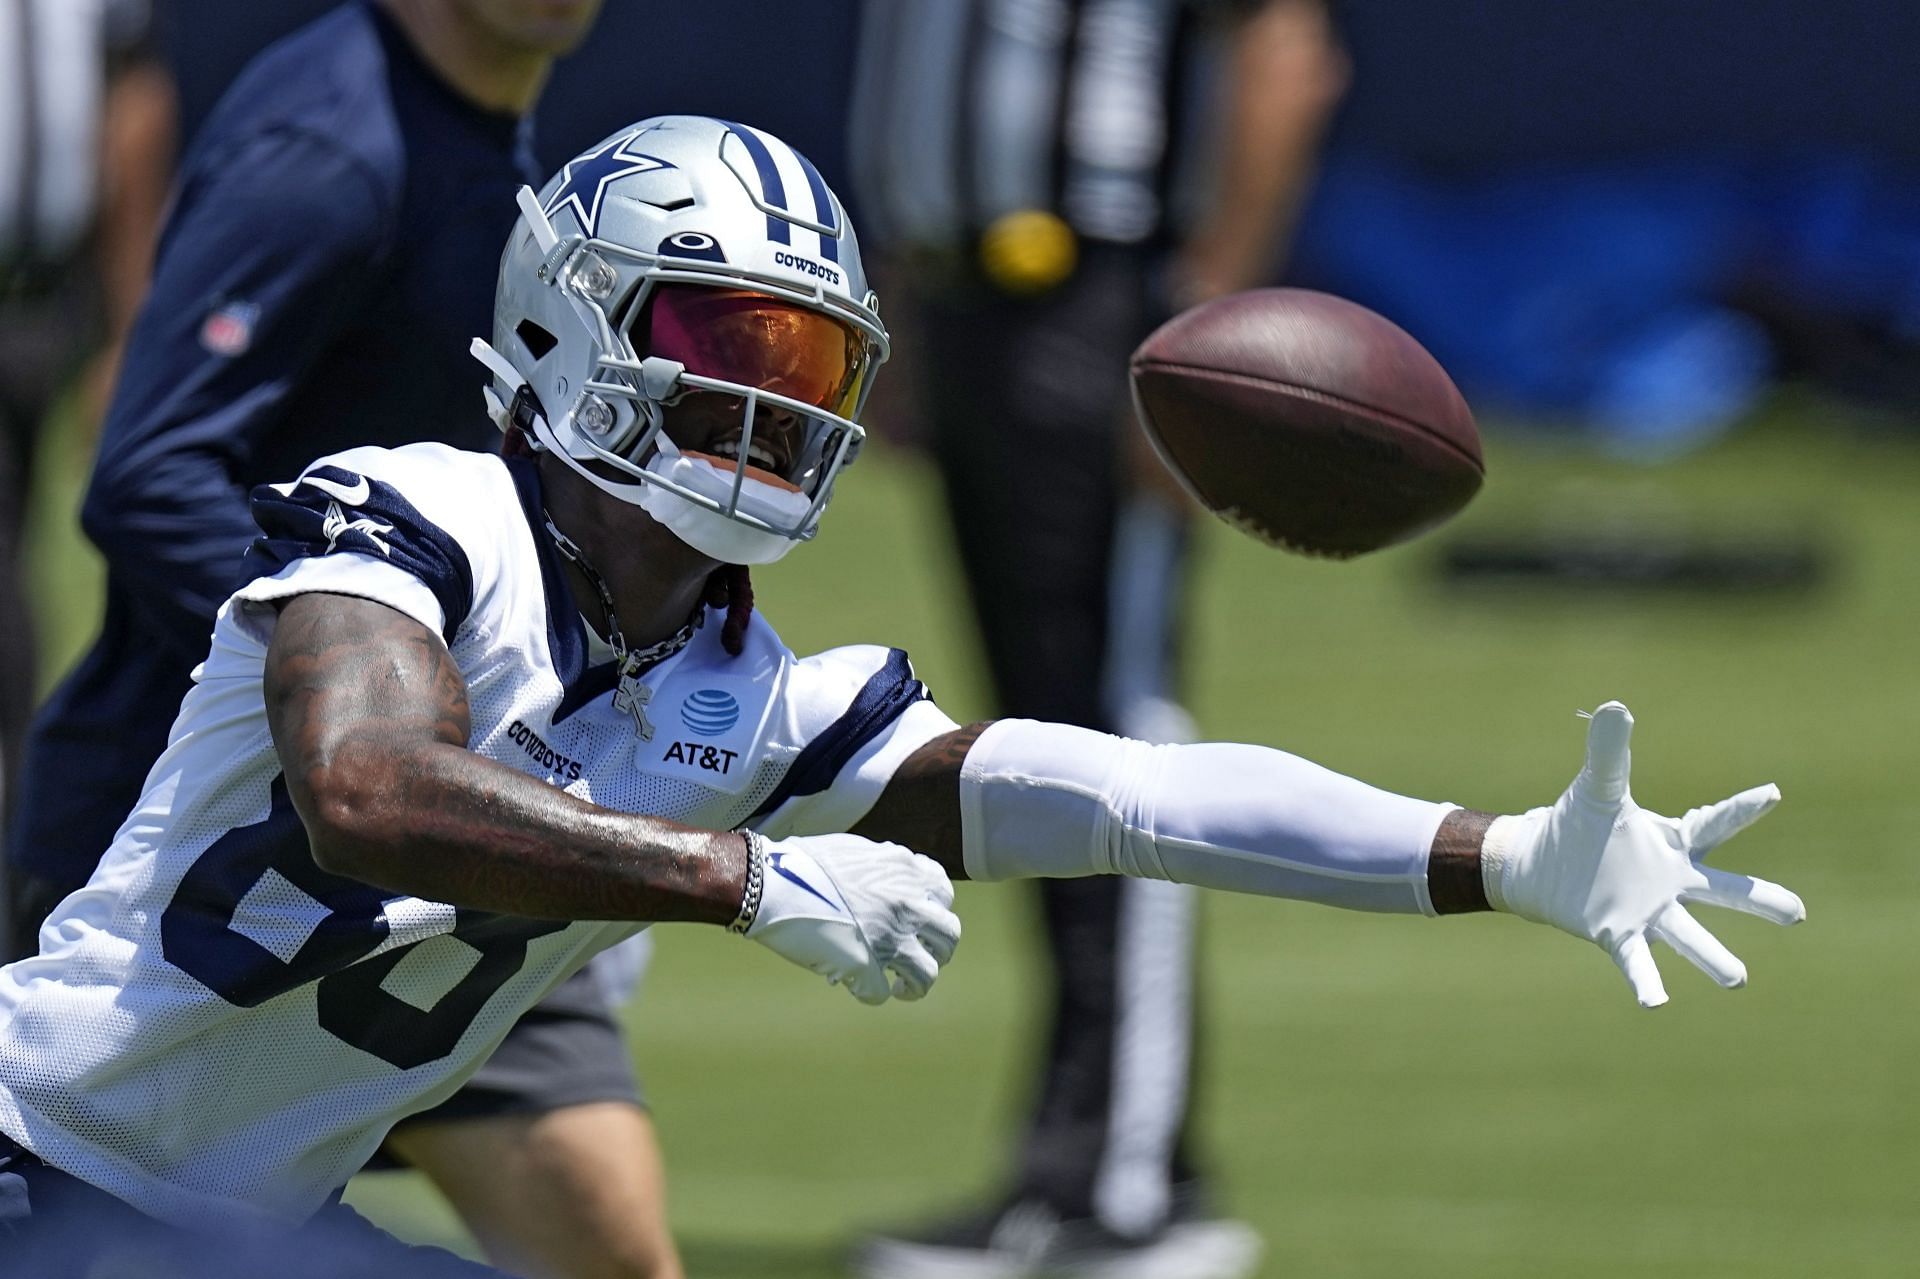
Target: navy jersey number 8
197, 936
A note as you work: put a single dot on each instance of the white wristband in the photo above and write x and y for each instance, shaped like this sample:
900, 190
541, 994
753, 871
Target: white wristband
1497, 851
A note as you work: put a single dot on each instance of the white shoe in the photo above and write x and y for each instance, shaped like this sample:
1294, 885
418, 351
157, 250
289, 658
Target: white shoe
1029, 1240
1219, 1248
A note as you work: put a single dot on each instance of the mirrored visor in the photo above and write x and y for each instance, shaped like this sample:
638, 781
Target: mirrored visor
758, 341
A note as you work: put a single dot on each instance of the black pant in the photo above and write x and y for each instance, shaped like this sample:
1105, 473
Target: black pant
43, 338
54, 1226
1027, 400
30, 900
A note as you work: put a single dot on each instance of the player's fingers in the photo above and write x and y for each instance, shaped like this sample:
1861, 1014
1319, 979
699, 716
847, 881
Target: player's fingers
1705, 829
1699, 947
1760, 897
939, 932
870, 986
1636, 962
1604, 779
914, 970
870, 996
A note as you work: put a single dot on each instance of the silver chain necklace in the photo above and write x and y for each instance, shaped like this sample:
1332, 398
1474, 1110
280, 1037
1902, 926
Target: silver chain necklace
630, 695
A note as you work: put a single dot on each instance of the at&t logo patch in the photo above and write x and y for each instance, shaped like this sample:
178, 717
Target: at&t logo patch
715, 739
710, 712
696, 755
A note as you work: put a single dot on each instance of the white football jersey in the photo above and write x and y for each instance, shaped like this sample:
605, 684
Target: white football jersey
216, 1025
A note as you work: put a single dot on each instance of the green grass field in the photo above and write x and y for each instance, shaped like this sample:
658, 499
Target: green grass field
1383, 1096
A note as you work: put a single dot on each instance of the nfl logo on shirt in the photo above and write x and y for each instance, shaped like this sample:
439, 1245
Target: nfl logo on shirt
229, 329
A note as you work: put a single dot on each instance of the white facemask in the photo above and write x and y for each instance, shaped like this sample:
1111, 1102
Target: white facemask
709, 532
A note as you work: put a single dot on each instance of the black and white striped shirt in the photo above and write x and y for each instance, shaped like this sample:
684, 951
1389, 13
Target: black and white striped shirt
53, 71
966, 110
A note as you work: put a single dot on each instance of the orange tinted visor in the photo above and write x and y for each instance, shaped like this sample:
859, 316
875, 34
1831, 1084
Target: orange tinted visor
758, 341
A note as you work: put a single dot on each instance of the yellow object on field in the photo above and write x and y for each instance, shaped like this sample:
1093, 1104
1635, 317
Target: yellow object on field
1028, 251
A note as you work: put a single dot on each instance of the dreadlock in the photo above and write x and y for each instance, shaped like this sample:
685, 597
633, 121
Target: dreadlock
731, 587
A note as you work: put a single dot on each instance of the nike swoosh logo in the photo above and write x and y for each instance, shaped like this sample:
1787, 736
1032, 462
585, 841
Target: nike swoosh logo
786, 874
356, 495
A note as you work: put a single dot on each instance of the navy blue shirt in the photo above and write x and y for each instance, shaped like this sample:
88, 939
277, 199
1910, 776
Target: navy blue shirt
331, 253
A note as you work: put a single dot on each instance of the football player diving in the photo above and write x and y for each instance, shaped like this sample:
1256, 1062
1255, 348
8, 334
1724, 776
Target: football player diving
478, 717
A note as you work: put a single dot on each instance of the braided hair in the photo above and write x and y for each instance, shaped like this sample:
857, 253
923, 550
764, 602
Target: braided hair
731, 587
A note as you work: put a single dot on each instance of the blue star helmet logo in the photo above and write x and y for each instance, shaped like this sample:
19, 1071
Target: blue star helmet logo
584, 181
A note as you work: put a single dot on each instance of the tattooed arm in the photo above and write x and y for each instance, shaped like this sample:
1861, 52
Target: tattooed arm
1052, 801
369, 715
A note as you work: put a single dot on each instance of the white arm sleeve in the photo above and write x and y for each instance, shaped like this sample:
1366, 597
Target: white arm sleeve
1048, 801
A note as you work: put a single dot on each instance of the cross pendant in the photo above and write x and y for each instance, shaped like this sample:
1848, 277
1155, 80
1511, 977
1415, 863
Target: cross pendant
632, 697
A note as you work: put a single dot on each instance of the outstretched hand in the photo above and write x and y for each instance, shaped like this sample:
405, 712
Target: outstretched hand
1599, 866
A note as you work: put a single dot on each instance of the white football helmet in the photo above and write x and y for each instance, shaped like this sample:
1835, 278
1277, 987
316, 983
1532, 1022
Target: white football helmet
685, 277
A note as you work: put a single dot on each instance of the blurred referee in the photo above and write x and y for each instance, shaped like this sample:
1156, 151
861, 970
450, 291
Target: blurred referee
331, 251
1049, 179
86, 153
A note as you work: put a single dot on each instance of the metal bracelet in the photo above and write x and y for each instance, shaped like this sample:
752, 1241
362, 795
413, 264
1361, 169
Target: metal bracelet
756, 883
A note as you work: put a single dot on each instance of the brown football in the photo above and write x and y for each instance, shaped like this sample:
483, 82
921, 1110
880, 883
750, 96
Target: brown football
1307, 420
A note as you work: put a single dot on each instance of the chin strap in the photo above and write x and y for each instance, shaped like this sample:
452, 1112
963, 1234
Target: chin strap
502, 415
537, 224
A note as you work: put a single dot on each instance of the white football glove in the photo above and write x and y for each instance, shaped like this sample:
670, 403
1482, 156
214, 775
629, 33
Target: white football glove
854, 910
1601, 867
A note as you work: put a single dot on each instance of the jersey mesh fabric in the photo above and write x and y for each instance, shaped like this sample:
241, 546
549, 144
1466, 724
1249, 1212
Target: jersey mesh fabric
217, 1026
638, 791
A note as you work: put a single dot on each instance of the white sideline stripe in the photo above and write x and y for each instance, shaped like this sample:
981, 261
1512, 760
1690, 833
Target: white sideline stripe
1152, 1053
